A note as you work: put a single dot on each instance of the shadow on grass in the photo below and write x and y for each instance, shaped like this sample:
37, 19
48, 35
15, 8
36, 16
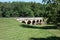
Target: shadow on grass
41, 27
48, 38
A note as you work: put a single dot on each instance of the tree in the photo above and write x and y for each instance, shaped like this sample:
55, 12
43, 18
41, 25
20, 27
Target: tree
52, 7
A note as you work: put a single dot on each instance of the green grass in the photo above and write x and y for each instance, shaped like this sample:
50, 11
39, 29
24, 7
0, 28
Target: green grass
10, 29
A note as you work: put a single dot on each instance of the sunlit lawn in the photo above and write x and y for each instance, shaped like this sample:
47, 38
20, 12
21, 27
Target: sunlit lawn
10, 29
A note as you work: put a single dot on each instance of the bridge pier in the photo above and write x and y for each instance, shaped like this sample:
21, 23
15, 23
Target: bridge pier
31, 22
35, 22
26, 22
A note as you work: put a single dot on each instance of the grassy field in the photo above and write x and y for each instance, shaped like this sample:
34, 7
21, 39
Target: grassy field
11, 29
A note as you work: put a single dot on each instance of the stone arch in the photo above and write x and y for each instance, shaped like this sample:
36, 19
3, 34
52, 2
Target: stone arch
40, 21
43, 19
33, 22
23, 21
29, 22
37, 22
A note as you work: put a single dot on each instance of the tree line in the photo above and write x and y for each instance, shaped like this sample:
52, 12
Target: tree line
21, 9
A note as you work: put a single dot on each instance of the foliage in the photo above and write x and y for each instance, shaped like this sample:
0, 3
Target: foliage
20, 9
52, 10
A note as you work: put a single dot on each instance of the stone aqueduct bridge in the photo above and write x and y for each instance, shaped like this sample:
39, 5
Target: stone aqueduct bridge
31, 20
